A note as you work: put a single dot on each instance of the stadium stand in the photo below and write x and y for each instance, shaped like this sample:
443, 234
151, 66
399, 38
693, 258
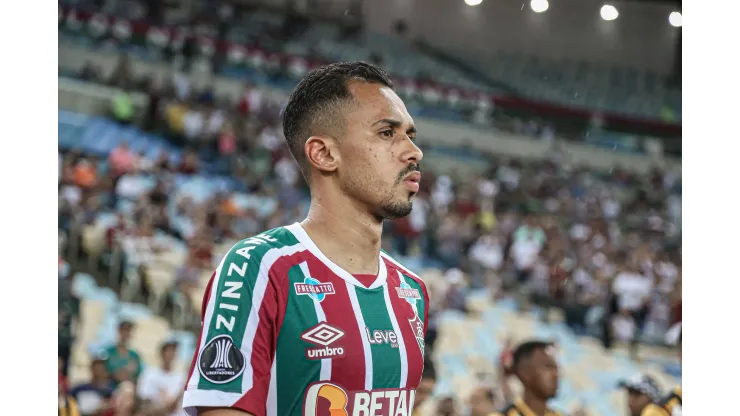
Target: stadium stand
161, 171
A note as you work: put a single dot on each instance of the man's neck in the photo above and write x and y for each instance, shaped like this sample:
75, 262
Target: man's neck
347, 235
535, 404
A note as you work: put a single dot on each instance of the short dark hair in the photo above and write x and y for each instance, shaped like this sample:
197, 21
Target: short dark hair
312, 103
526, 349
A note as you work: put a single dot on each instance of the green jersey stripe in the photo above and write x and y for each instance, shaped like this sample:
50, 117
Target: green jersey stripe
293, 371
382, 337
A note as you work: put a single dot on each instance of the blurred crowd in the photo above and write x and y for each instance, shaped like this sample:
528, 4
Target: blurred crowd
602, 250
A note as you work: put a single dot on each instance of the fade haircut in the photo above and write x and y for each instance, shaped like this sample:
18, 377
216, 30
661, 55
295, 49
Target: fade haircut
314, 107
525, 350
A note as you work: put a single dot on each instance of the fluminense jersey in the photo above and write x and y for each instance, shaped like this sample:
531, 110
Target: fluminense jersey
287, 332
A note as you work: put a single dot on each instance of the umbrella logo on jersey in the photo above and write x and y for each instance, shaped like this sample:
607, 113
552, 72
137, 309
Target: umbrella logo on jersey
221, 361
315, 289
407, 292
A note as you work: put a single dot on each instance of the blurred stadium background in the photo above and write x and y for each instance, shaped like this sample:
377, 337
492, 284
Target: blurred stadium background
552, 183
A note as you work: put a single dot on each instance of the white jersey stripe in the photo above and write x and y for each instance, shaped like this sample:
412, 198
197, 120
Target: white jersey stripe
401, 344
253, 321
363, 335
325, 373
403, 268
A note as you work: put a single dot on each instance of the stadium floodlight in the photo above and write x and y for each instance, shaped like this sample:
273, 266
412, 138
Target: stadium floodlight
675, 19
539, 6
473, 2
609, 12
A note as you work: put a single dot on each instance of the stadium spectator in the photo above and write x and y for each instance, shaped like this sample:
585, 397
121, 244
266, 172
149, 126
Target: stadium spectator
535, 366
124, 402
123, 363
632, 291
160, 388
426, 385
69, 315
93, 397
121, 160
67, 404
642, 390
122, 107
482, 401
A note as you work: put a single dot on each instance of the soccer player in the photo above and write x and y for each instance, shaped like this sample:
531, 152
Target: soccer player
535, 365
312, 318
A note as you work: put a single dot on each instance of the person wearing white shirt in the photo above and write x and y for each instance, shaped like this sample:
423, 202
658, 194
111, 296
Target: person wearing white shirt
631, 293
161, 387
193, 124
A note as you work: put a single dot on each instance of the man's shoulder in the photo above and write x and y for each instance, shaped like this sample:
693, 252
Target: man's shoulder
277, 242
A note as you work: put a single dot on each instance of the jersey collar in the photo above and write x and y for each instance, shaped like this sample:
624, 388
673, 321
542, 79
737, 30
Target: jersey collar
305, 240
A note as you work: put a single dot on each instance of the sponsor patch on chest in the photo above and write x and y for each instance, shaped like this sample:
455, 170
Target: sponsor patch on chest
314, 289
327, 399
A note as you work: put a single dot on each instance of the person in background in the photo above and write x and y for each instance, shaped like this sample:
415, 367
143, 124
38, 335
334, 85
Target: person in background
447, 407
93, 397
121, 361
482, 401
69, 315
124, 401
160, 388
67, 404
506, 368
121, 161
535, 366
426, 386
642, 392
123, 107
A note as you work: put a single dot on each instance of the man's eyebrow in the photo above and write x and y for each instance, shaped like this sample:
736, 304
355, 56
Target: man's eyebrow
395, 124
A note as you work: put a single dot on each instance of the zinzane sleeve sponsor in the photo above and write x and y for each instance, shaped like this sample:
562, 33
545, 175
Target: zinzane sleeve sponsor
241, 316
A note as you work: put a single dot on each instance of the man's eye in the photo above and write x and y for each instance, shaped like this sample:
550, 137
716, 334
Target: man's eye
387, 133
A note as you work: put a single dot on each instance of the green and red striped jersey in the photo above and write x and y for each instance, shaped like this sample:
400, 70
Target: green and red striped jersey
287, 332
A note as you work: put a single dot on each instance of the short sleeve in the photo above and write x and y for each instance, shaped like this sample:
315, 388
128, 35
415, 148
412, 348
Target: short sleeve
240, 321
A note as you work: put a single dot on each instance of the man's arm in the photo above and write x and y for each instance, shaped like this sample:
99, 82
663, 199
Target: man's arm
242, 311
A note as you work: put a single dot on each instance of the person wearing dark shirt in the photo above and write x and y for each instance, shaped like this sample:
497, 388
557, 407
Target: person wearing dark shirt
69, 312
92, 398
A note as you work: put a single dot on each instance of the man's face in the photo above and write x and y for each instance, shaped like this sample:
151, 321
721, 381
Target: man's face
480, 403
168, 354
636, 401
379, 162
426, 386
98, 370
542, 374
124, 334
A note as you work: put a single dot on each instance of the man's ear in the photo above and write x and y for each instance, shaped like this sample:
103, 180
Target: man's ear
322, 153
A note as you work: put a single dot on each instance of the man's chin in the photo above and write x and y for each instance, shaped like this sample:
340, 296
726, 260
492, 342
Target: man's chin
397, 210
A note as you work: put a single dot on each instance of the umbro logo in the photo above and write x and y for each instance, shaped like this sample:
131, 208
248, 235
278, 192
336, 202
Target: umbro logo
324, 335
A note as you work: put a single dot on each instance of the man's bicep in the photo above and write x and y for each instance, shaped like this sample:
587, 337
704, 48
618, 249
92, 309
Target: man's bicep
231, 368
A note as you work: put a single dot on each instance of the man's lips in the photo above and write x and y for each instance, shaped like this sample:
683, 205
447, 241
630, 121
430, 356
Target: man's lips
412, 181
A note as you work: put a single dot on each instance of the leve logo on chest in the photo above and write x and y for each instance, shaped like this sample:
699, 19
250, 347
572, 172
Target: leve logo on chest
327, 399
